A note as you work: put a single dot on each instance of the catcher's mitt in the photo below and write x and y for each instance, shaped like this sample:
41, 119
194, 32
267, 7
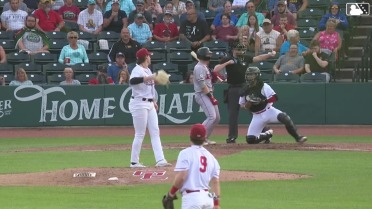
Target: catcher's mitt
161, 77
253, 99
168, 201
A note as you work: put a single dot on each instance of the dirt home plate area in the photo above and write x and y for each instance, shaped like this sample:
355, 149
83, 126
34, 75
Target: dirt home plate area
151, 175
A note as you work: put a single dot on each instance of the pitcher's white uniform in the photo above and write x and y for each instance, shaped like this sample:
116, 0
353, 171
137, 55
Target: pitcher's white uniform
262, 117
201, 167
144, 114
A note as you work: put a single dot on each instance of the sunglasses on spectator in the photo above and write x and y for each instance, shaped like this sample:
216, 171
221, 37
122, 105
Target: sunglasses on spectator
334, 7
73, 37
250, 7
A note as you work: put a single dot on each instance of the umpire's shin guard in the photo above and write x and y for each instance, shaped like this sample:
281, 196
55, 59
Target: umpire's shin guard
291, 128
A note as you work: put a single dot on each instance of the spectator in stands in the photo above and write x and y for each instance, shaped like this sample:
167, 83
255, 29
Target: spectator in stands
125, 45
2, 55
268, 39
13, 19
113, 70
189, 6
239, 4
334, 14
57, 4
189, 78
20, 78
32, 5
167, 30
247, 33
293, 37
30, 39
140, 9
315, 61
227, 10
69, 11
289, 7
291, 62
282, 10
179, 7
101, 6
168, 7
123, 77
330, 40
47, 19
194, 30
139, 30
125, 5
225, 32
73, 53
90, 20
22, 6
216, 5
251, 9
115, 19
300, 5
153, 7
69, 77
283, 26
102, 77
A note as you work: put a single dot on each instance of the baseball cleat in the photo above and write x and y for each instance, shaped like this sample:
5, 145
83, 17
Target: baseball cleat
231, 140
267, 141
301, 139
137, 165
163, 163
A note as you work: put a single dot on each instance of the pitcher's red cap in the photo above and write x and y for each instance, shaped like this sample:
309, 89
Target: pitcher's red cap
142, 53
198, 131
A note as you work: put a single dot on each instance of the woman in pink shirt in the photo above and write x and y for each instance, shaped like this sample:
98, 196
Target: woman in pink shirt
330, 40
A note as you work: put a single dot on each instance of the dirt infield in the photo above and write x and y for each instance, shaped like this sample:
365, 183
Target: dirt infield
152, 175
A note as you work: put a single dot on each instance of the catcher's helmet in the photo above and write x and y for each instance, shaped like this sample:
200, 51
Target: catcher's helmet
204, 53
252, 74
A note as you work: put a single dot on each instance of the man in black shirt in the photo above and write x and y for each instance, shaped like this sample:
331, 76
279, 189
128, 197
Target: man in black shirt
115, 19
316, 61
125, 45
235, 70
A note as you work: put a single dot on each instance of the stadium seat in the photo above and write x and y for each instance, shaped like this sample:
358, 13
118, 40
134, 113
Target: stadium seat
286, 78
84, 77
266, 77
109, 46
98, 58
313, 78
179, 46
52, 68
55, 46
191, 66
72, 26
87, 36
82, 4
180, 57
168, 67
109, 36
154, 46
311, 13
29, 67
217, 45
8, 45
57, 35
55, 79
84, 68
36, 78
157, 57
6, 35
16, 58
6, 68
319, 4
42, 58
8, 77
306, 34
175, 77
307, 23
264, 66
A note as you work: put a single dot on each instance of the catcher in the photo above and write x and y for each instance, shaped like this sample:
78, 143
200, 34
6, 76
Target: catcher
196, 168
259, 97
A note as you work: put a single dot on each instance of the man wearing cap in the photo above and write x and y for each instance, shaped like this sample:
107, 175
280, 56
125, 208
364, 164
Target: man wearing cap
102, 77
194, 30
47, 19
268, 39
197, 174
125, 45
251, 9
140, 8
143, 107
13, 19
189, 6
114, 69
283, 10
139, 30
69, 11
115, 19
90, 20
167, 30
169, 7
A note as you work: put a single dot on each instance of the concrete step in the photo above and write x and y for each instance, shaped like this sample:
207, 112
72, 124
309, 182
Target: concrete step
364, 20
361, 30
344, 73
358, 41
355, 51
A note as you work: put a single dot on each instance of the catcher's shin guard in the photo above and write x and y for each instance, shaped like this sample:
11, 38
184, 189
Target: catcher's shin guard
255, 140
289, 125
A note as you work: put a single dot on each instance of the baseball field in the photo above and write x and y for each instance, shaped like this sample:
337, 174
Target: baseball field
37, 168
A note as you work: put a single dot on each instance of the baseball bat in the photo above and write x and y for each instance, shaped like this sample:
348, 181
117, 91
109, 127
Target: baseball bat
193, 54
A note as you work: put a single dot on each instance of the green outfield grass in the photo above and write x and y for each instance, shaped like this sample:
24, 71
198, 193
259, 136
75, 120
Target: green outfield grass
339, 179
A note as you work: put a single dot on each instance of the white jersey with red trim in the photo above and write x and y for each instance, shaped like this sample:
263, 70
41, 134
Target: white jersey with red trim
201, 165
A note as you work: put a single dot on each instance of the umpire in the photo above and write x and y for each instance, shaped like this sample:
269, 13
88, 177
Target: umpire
236, 65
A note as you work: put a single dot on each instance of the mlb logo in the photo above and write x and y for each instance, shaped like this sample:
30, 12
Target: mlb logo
357, 9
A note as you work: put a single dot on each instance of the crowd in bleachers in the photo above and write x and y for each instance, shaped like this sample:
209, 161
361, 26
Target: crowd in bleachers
95, 41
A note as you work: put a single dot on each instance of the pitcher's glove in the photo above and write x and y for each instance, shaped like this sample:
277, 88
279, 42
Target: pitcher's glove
168, 201
253, 99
